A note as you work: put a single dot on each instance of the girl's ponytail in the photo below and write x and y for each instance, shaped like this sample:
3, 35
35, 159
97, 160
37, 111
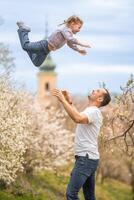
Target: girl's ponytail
62, 23
71, 19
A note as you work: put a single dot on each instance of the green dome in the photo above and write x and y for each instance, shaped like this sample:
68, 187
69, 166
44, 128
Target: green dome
48, 65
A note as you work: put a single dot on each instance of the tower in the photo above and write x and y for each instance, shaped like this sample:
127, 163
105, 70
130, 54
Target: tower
47, 77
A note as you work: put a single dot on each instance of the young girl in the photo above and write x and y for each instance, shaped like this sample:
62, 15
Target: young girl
38, 51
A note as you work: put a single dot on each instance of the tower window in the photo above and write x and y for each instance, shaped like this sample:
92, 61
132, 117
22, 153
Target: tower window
46, 86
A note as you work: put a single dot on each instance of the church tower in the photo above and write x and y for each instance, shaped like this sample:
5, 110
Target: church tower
46, 76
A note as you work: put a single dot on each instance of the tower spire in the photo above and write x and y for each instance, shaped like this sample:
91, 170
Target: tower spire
46, 29
48, 65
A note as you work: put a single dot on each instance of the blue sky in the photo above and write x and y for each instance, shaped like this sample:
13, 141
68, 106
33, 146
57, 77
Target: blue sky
108, 27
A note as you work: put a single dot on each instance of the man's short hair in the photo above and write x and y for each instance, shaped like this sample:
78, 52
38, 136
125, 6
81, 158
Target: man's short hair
106, 98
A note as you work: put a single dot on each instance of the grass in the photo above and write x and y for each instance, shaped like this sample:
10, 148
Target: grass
49, 186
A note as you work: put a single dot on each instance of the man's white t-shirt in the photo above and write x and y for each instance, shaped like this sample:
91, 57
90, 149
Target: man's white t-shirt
86, 135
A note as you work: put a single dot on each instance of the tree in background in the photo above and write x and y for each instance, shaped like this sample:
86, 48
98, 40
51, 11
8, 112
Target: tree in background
51, 144
6, 60
14, 130
117, 139
30, 136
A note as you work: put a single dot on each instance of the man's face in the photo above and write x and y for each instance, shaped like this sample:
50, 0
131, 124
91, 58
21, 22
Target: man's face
97, 95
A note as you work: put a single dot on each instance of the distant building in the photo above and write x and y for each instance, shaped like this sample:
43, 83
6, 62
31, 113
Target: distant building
47, 78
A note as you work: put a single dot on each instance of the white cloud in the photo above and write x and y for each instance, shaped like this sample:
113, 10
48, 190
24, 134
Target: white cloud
104, 3
99, 6
113, 43
85, 68
13, 38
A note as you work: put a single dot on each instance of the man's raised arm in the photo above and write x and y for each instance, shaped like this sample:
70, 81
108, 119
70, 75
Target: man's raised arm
70, 108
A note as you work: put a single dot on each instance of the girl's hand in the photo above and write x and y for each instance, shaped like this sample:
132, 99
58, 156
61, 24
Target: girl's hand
87, 45
82, 51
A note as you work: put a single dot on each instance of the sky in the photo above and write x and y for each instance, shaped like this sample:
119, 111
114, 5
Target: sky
108, 27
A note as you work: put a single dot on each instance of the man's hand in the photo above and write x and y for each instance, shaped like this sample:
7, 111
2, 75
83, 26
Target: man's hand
71, 110
58, 93
67, 96
82, 51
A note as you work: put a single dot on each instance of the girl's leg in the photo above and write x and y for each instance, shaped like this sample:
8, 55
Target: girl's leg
37, 51
37, 58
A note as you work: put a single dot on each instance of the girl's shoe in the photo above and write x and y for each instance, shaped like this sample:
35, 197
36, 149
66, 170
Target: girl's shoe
22, 25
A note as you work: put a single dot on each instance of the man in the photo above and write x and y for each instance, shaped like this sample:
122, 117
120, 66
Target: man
86, 149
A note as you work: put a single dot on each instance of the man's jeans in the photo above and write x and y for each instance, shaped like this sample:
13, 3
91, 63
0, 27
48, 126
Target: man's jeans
82, 176
37, 51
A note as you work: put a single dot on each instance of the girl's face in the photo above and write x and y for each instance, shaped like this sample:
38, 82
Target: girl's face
75, 27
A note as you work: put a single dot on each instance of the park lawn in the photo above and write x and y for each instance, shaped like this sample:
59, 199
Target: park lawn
50, 186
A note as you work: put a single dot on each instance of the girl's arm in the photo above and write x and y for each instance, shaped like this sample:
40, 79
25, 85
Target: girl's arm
75, 47
83, 44
68, 35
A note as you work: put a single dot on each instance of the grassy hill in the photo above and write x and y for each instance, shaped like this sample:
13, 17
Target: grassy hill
49, 186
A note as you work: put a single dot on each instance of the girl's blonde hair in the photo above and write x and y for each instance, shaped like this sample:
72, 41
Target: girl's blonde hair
71, 19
